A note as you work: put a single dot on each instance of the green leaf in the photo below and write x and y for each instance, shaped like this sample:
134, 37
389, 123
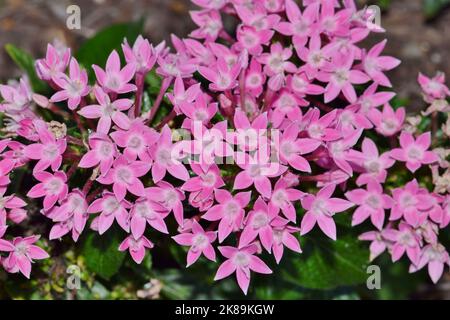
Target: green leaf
97, 49
327, 264
102, 254
26, 62
432, 8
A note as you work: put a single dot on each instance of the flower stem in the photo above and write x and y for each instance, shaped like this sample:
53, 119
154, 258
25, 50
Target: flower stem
138, 98
164, 86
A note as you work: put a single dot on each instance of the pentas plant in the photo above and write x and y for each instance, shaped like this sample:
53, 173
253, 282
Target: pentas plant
281, 117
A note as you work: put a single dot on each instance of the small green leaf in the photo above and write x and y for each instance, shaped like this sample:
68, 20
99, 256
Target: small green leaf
97, 49
432, 8
102, 254
327, 264
26, 62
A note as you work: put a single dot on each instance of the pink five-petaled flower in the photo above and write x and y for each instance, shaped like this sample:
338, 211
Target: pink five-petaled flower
283, 237
142, 55
388, 122
54, 63
292, 147
199, 242
435, 87
48, 151
136, 140
259, 223
372, 203
406, 240
241, 261
114, 79
321, 209
136, 247
169, 197
73, 209
110, 209
52, 187
436, 256
166, 158
9, 202
412, 203
414, 152
222, 76
147, 211
103, 151
107, 111
283, 197
340, 77
22, 252
229, 210
374, 65
380, 241
74, 87
124, 175
206, 181
372, 162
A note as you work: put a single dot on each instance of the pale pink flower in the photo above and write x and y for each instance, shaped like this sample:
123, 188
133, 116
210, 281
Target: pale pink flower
248, 136
107, 111
54, 63
242, 261
22, 253
320, 128
229, 210
209, 22
136, 140
374, 64
406, 240
283, 237
10, 202
207, 180
436, 257
199, 242
371, 203
169, 197
103, 152
414, 151
181, 95
124, 175
380, 241
114, 79
17, 98
142, 55
434, 88
371, 99
48, 150
166, 158
254, 78
136, 247
146, 211
283, 198
73, 208
52, 187
320, 209
388, 122
110, 208
252, 40
222, 76
74, 87
201, 110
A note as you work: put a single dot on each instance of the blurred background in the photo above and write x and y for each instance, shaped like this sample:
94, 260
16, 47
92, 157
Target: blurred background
418, 32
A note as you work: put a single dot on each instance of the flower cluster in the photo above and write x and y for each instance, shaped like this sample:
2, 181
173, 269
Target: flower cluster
276, 112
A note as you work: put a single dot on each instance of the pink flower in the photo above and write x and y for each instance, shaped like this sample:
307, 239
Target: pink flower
73, 208
374, 164
380, 241
142, 55
254, 78
54, 63
229, 210
199, 242
110, 208
241, 261
283, 237
147, 211
166, 158
169, 197
107, 111
340, 77
48, 151
114, 79
435, 87
321, 209
17, 98
11, 202
371, 203
283, 198
339, 150
388, 122
136, 140
102, 153
74, 87
201, 110
435, 256
22, 252
320, 128
125, 176
206, 181
248, 136
136, 247
222, 76
52, 187
181, 95
259, 224
209, 22
252, 40
374, 64
371, 99
414, 152
411, 202
406, 240
276, 64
